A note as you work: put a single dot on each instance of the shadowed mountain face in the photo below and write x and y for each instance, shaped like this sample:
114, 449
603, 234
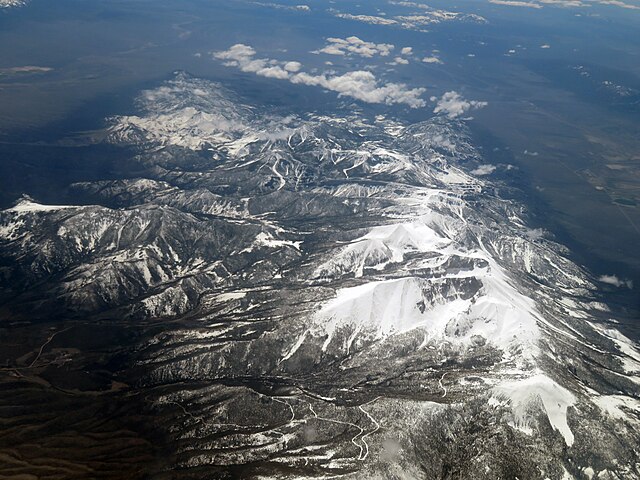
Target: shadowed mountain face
302, 296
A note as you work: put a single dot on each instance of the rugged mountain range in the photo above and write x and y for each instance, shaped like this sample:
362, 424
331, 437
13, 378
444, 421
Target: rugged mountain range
312, 297
11, 3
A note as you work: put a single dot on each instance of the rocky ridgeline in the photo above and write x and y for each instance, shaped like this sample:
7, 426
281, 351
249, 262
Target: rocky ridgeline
318, 296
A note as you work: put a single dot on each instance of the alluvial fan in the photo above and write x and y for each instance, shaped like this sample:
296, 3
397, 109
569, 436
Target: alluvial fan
306, 296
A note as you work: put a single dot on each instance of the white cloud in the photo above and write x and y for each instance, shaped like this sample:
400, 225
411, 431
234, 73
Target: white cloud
428, 16
237, 51
241, 56
361, 85
367, 19
432, 59
616, 281
416, 22
292, 66
545, 46
483, 170
364, 86
26, 69
356, 46
454, 105
279, 6
563, 3
516, 3
273, 72
331, 50
618, 3
400, 61
406, 50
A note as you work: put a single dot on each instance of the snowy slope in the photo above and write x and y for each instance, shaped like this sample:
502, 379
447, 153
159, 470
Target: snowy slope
325, 289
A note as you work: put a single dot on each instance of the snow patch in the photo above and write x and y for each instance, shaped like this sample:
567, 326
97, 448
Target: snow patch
555, 399
29, 206
266, 239
381, 246
615, 406
227, 297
